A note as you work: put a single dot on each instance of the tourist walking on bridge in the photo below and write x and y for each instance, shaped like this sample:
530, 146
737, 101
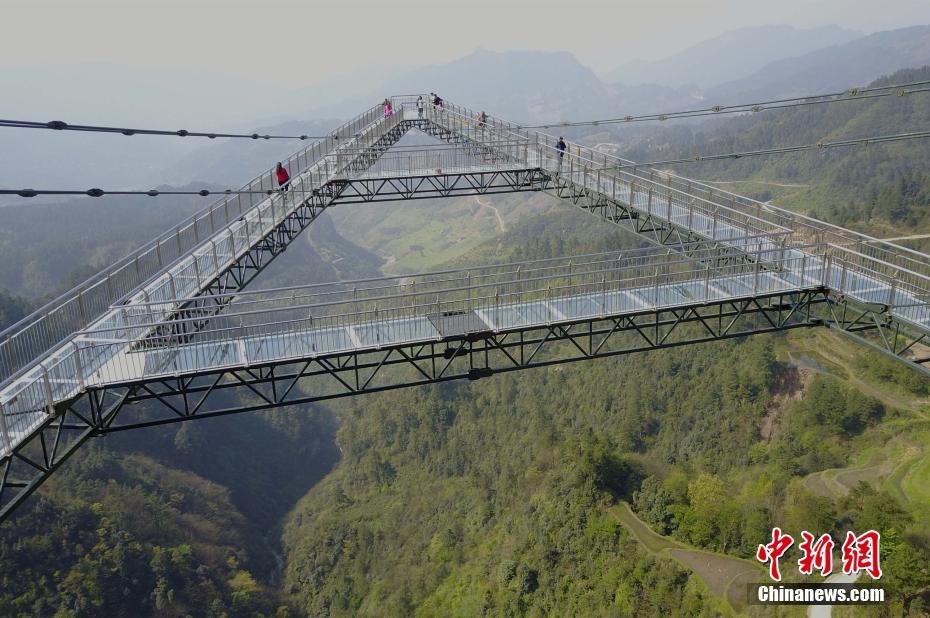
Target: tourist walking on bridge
420, 106
284, 179
388, 108
561, 146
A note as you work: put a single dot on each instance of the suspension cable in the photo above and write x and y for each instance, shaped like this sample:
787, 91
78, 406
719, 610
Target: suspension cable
58, 125
880, 139
851, 94
151, 193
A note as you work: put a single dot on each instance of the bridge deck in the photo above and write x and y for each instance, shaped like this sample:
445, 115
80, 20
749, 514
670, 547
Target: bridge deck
257, 328
352, 333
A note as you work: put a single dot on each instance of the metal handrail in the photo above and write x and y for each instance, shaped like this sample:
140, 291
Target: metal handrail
688, 271
512, 276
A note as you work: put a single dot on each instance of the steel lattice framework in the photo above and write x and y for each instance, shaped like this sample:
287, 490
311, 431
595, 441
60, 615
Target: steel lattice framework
172, 325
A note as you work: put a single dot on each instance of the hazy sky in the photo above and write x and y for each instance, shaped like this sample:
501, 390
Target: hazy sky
287, 41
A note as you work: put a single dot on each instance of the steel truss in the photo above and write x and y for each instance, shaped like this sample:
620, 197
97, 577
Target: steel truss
99, 411
428, 186
874, 326
471, 356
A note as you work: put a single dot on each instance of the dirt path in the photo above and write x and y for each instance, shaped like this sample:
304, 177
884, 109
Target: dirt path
757, 182
497, 213
835, 483
387, 267
912, 237
724, 575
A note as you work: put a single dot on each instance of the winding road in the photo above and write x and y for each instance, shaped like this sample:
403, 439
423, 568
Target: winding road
497, 213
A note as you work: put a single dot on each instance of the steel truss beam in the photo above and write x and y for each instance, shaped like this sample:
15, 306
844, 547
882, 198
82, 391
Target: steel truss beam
427, 186
477, 355
874, 326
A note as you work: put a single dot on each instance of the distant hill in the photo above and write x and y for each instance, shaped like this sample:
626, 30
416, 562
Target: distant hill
835, 68
881, 189
523, 86
730, 56
510, 82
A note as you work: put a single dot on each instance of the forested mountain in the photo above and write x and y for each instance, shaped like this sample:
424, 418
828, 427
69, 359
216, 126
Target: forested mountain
46, 247
179, 520
878, 188
833, 68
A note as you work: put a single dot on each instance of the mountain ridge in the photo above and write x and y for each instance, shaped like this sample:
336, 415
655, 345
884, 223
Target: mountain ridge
733, 54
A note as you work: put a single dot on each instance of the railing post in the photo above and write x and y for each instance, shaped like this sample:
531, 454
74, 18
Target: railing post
548, 303
173, 285
707, 280
603, 294
216, 259
7, 444
668, 210
79, 366
655, 288
49, 398
81, 310
197, 271
232, 242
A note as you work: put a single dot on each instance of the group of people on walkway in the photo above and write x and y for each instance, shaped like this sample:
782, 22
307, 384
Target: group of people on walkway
434, 99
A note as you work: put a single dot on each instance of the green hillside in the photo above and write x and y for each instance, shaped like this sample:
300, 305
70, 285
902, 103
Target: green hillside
883, 189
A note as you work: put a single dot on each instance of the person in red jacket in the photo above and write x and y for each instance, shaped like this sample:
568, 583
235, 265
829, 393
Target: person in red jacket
284, 179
